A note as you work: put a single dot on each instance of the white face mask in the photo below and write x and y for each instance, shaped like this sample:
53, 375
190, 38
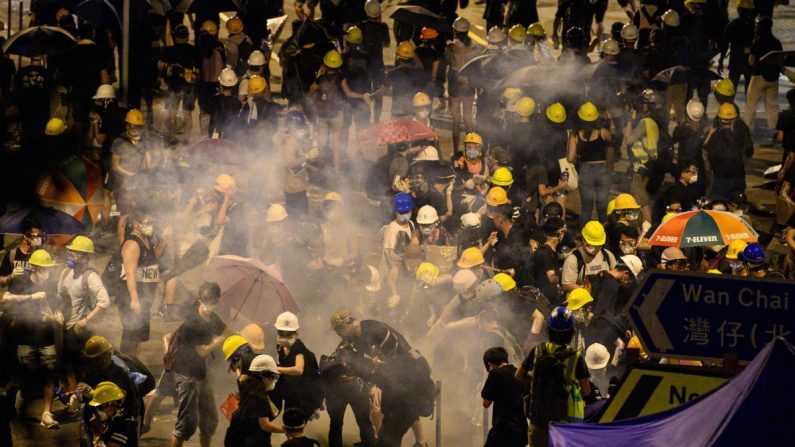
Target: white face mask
270, 384
35, 242
426, 231
424, 114
403, 218
627, 249
472, 154
693, 179
147, 230
286, 341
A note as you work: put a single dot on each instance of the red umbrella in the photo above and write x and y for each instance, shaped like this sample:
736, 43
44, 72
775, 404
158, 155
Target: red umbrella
395, 131
249, 288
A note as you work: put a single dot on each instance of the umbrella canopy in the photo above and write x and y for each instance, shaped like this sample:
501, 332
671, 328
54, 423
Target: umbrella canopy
100, 14
52, 221
702, 228
395, 131
683, 75
159, 7
780, 58
75, 188
494, 65
39, 41
249, 288
420, 17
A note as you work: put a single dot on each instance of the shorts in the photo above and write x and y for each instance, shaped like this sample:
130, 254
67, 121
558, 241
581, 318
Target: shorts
166, 385
185, 94
197, 407
37, 359
599, 10
135, 326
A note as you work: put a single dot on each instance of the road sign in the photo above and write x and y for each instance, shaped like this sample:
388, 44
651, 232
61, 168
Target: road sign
645, 391
704, 316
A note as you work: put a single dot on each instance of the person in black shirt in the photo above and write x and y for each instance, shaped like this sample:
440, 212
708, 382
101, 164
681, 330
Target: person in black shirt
106, 419
726, 149
786, 136
16, 259
546, 263
764, 81
375, 37
355, 83
299, 383
251, 424
509, 244
84, 68
737, 39
508, 423
683, 192
181, 63
99, 366
294, 422
200, 334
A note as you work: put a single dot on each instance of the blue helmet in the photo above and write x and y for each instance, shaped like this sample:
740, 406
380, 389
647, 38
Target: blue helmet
753, 254
560, 320
402, 203
295, 119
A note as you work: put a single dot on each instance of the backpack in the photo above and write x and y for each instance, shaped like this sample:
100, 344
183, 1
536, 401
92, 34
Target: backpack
170, 340
134, 365
551, 386
92, 300
581, 264
111, 276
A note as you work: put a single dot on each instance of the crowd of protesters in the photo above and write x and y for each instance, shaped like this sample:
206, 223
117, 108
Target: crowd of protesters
472, 254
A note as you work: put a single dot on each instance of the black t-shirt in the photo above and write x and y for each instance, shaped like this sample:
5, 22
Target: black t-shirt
690, 144
786, 124
506, 392
375, 37
738, 37
82, 69
114, 373
195, 331
761, 47
183, 54
379, 339
544, 260
433, 198
20, 260
791, 221
406, 81
303, 441
244, 429
355, 69
726, 149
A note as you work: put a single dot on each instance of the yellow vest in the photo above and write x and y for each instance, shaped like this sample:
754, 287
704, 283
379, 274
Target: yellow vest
646, 148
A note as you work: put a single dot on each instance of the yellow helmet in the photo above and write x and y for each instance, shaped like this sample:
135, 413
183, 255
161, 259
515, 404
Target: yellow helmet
333, 196
588, 112
81, 244
611, 206
96, 346
105, 393
354, 35
405, 50
525, 106
135, 118
727, 111
40, 258
536, 30
54, 127
556, 113
502, 177
256, 84
225, 184
577, 298
735, 248
714, 272
471, 257
634, 343
724, 87
512, 93
517, 33
426, 271
231, 344
210, 27
473, 137
497, 196
421, 99
505, 281
594, 233
625, 202
332, 59
668, 216
341, 318
234, 25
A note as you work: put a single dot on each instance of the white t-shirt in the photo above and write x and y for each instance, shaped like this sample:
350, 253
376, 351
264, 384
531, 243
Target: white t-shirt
72, 289
571, 271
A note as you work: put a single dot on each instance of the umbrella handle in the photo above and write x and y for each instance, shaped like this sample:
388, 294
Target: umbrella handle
248, 294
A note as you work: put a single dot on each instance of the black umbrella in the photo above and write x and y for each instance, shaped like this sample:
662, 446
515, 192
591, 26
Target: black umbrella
100, 14
683, 75
420, 17
780, 58
488, 66
52, 221
159, 7
39, 41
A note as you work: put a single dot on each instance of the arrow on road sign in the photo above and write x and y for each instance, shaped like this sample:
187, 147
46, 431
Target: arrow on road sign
648, 313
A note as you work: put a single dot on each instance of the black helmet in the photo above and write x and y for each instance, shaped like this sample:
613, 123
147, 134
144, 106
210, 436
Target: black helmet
575, 37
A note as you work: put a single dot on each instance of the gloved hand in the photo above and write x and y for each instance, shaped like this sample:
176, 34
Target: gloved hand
403, 186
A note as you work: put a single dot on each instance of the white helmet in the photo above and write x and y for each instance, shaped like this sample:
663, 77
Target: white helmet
105, 91
671, 18
695, 109
428, 153
372, 8
461, 25
427, 215
496, 35
275, 213
227, 78
629, 32
610, 47
470, 220
463, 280
263, 363
256, 58
633, 263
487, 290
596, 356
286, 321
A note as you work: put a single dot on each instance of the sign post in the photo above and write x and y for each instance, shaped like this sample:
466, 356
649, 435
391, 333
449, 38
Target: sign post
705, 316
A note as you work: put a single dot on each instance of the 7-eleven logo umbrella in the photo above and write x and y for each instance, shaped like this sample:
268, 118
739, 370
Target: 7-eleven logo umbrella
702, 228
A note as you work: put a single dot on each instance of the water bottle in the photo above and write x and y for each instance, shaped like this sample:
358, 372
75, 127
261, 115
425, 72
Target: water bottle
564, 176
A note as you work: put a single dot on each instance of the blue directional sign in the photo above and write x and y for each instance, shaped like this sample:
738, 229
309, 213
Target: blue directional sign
704, 316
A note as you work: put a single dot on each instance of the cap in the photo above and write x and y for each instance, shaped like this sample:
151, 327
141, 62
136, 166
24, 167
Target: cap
672, 254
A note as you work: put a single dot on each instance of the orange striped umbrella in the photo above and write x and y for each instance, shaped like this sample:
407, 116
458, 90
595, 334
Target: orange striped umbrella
74, 188
702, 228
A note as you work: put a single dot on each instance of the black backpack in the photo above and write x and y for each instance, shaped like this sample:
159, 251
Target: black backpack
549, 397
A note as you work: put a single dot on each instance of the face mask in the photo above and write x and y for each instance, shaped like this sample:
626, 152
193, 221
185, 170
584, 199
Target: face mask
579, 315
403, 218
102, 416
693, 179
71, 263
285, 341
42, 274
35, 242
472, 153
208, 308
147, 230
628, 249
424, 114
632, 217
426, 231
270, 384
591, 250
735, 265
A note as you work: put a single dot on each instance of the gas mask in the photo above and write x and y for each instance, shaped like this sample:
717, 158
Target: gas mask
286, 342
403, 218
473, 154
632, 216
628, 248
71, 263
426, 231
147, 230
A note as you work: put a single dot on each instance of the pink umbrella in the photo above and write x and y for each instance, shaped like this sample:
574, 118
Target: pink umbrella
249, 288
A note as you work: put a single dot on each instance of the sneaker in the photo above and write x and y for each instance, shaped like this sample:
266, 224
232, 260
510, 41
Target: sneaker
48, 421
